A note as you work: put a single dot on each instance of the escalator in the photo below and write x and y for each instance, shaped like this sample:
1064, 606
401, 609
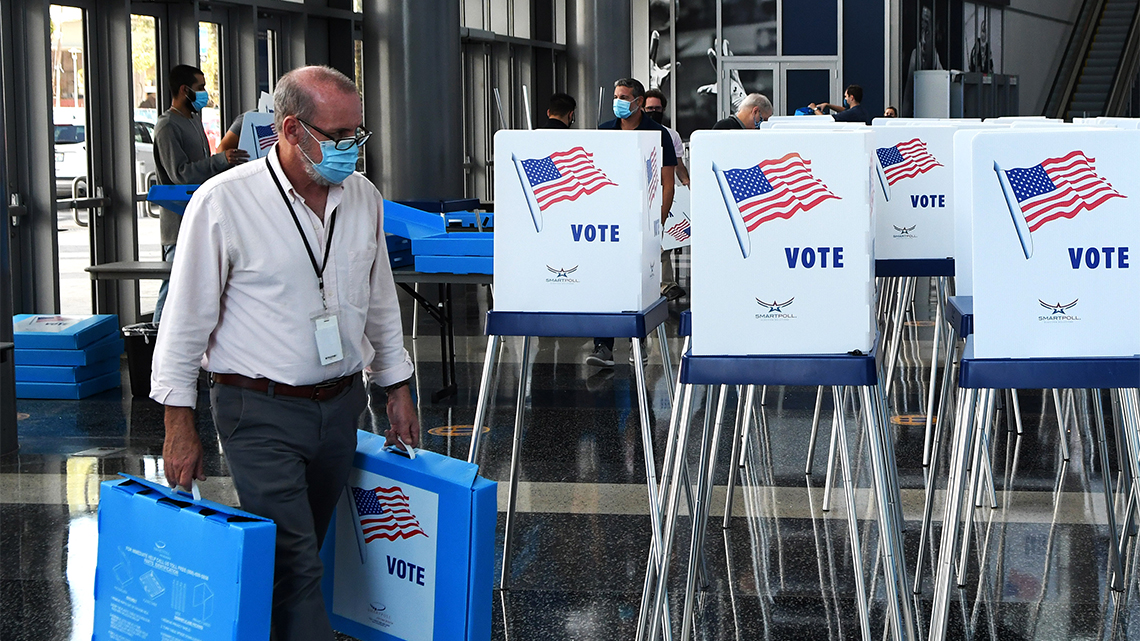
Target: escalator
1100, 63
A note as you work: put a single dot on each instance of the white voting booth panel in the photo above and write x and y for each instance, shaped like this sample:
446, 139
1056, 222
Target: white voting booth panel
1055, 237
914, 191
577, 221
783, 256
678, 229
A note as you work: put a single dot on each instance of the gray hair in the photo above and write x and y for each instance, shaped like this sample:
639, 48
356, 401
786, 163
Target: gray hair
757, 100
293, 95
633, 84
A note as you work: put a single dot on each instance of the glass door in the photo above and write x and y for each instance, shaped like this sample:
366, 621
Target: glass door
740, 78
146, 77
789, 85
72, 134
808, 82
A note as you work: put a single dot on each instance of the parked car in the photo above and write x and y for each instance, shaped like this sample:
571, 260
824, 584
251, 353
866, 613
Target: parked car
71, 157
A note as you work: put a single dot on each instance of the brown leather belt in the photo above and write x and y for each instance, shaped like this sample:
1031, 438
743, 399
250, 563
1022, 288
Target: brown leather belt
319, 392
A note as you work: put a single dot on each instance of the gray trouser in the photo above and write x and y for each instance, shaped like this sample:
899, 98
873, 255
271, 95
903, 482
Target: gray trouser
667, 275
290, 459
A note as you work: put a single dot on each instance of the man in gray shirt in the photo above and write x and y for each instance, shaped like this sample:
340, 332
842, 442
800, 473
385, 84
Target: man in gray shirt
182, 153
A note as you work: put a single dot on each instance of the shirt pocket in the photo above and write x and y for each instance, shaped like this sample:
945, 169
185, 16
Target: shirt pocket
359, 284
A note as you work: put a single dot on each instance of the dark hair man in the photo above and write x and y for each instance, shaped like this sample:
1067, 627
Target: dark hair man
560, 113
282, 287
629, 110
655, 103
850, 111
182, 154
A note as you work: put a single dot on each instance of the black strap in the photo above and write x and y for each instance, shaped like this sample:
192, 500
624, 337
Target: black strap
319, 270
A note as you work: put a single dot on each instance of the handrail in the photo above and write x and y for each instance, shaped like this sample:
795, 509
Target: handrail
1126, 70
1072, 63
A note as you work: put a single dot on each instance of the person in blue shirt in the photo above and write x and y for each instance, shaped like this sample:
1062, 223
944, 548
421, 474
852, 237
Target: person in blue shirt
850, 111
629, 114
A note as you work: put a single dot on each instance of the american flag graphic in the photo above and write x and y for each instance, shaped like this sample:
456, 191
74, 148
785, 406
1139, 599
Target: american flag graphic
776, 189
906, 160
652, 174
266, 136
385, 514
1059, 188
563, 175
680, 231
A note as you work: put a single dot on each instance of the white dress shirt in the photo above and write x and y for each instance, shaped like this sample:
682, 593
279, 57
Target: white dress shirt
244, 295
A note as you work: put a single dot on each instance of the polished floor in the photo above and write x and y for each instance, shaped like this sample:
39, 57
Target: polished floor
782, 570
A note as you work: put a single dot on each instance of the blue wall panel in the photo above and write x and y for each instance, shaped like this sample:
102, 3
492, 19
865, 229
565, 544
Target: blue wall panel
863, 51
810, 27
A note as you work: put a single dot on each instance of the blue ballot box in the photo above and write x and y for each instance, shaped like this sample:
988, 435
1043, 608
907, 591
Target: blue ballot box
410, 552
53, 331
170, 567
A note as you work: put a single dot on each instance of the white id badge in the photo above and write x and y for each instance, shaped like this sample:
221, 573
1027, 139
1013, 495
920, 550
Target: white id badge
327, 331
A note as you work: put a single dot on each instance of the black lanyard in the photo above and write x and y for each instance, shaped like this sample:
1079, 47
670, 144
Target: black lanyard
320, 271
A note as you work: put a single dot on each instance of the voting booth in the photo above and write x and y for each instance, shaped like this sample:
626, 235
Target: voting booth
786, 261
577, 221
678, 229
409, 555
1054, 240
914, 193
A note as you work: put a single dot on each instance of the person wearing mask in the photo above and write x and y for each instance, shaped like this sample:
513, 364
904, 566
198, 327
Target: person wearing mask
629, 111
655, 103
283, 290
182, 154
850, 111
560, 114
890, 112
754, 109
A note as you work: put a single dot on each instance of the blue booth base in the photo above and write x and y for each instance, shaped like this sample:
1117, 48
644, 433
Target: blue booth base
960, 314
575, 324
1047, 373
914, 267
810, 369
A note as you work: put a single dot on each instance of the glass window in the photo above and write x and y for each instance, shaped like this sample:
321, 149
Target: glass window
749, 26
145, 69
71, 138
210, 61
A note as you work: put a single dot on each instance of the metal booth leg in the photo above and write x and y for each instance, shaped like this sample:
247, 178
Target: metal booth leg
667, 359
1109, 504
657, 559
512, 494
484, 394
814, 430
671, 516
852, 516
696, 545
743, 415
963, 438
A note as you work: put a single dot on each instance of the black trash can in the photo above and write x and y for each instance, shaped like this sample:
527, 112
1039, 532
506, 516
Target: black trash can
139, 341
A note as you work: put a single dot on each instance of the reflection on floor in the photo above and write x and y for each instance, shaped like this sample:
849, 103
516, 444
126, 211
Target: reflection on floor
783, 570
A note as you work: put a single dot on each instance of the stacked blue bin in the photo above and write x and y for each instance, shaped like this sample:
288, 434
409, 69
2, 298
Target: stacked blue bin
433, 248
66, 357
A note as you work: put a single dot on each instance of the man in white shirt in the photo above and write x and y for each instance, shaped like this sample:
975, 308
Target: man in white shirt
282, 290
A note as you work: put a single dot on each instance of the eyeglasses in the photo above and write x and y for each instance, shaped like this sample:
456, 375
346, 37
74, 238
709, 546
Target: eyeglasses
342, 144
655, 109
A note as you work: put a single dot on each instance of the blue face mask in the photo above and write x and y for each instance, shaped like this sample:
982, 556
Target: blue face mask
845, 105
201, 99
621, 108
336, 165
